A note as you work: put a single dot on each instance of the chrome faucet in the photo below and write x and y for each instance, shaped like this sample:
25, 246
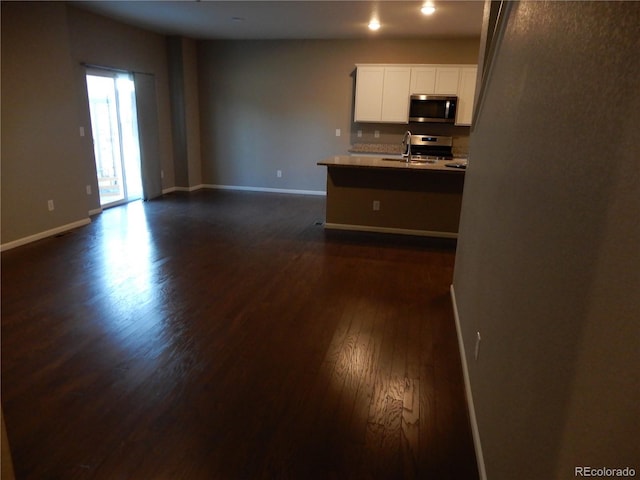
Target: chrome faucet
406, 146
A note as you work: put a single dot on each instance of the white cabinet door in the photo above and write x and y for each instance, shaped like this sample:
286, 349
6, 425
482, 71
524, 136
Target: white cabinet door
447, 79
369, 87
466, 94
395, 95
423, 80
382, 94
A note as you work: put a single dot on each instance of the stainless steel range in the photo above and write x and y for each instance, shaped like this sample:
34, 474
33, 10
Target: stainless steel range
429, 147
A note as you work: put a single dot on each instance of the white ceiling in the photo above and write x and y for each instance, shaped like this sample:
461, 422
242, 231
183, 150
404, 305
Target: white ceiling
295, 19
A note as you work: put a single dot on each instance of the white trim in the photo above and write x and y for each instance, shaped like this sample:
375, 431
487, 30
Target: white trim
186, 189
244, 188
401, 231
467, 386
266, 189
45, 234
95, 211
181, 189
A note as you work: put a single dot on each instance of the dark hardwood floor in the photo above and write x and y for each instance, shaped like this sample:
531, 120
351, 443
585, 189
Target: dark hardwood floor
226, 335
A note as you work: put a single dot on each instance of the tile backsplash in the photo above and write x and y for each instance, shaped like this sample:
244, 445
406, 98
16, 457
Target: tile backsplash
391, 134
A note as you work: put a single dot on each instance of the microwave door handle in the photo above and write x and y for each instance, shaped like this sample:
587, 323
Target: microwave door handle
446, 109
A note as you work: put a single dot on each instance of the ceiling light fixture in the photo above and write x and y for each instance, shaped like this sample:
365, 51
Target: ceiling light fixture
374, 25
428, 9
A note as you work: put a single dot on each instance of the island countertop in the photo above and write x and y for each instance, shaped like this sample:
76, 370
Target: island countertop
390, 163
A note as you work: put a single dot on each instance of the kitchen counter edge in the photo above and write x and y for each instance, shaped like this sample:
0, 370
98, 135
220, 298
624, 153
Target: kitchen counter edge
354, 161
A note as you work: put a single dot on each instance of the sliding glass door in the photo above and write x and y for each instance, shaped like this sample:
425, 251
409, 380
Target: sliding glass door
114, 126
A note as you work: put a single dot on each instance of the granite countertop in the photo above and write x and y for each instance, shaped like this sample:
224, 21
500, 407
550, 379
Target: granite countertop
354, 161
459, 154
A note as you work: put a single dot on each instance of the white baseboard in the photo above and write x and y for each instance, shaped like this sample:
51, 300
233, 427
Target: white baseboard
266, 189
243, 188
45, 234
95, 212
182, 189
401, 231
467, 386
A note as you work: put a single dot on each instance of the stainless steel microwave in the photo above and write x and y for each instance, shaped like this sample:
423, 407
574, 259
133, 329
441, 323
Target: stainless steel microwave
432, 108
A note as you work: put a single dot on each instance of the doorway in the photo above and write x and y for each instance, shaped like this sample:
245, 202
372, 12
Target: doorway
114, 125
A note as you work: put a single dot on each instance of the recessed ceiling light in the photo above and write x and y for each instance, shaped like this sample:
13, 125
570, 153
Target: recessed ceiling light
428, 9
374, 25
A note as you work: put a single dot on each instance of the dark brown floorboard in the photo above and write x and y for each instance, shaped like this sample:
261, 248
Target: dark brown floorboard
225, 335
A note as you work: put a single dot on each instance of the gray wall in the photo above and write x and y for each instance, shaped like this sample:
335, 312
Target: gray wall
185, 110
192, 110
42, 155
44, 104
99, 40
547, 267
275, 105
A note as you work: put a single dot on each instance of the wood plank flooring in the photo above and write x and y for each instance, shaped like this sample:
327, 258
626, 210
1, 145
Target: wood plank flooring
226, 335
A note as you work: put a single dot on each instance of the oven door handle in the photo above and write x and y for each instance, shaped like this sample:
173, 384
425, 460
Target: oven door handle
446, 109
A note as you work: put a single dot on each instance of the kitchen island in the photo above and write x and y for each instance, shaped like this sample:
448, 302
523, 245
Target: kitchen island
385, 194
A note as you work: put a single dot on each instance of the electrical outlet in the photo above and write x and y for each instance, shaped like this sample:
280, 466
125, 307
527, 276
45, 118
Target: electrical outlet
376, 205
88, 189
279, 173
82, 131
50, 205
338, 132
376, 133
359, 133
162, 174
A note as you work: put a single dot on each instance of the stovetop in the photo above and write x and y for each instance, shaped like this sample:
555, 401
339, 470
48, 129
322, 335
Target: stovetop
432, 152
432, 147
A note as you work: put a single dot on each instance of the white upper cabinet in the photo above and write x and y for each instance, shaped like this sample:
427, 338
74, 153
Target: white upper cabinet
466, 94
369, 88
423, 80
395, 95
382, 94
447, 79
382, 91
